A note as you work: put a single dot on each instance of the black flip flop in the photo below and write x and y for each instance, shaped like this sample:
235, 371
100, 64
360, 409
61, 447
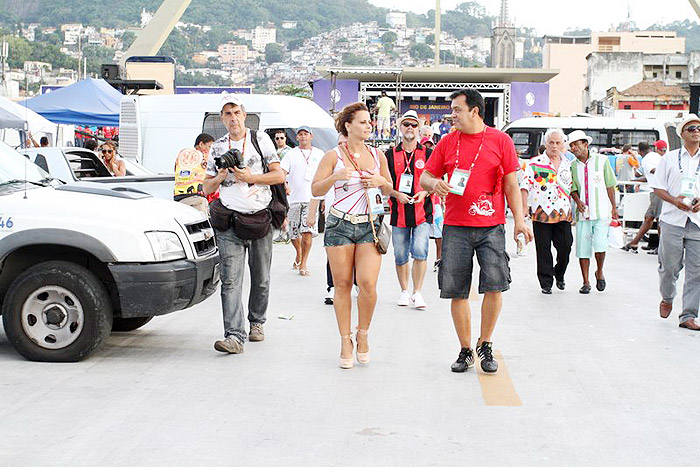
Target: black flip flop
629, 247
600, 284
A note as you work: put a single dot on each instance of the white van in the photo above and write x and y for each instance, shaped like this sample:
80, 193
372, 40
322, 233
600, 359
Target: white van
152, 129
528, 133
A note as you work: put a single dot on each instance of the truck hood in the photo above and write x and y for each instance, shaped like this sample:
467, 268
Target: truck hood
119, 222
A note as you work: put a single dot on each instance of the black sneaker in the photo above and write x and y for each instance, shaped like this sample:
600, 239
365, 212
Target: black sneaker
485, 353
561, 285
464, 361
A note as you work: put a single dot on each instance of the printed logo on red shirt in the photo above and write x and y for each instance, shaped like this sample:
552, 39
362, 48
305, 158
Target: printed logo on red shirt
420, 164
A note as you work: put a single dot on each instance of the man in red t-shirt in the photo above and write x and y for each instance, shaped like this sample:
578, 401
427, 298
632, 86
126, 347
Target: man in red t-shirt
411, 209
481, 163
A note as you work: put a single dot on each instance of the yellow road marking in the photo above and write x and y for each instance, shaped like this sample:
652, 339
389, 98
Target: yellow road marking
497, 389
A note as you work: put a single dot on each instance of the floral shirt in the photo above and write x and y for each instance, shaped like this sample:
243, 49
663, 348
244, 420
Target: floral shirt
548, 189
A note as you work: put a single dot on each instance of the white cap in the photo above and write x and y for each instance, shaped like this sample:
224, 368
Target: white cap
227, 98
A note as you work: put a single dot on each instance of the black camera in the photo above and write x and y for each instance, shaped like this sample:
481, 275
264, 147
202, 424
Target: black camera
230, 159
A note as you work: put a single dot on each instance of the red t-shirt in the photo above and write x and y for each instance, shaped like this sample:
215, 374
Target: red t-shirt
483, 202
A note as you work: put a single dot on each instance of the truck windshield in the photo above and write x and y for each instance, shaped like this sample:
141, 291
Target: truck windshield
14, 166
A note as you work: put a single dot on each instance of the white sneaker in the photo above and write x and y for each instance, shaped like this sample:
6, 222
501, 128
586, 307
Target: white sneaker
417, 300
404, 299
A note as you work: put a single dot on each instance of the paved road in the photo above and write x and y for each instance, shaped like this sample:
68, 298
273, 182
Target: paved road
585, 380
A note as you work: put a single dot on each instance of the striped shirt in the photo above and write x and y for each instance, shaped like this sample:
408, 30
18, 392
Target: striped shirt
350, 194
591, 180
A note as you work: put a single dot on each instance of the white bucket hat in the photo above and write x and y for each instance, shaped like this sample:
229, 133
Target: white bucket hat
686, 120
577, 135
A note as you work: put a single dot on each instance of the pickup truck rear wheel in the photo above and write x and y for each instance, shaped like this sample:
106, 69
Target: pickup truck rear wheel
56, 311
128, 324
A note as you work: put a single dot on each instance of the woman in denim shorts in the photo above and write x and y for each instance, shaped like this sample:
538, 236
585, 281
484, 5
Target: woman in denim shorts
350, 169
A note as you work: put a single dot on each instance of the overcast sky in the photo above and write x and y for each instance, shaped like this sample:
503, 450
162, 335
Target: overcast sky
554, 17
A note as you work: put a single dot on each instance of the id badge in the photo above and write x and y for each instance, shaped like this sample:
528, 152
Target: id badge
311, 170
376, 204
688, 187
406, 183
459, 180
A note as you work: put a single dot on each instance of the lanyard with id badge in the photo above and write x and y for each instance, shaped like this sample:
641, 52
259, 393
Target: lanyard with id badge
406, 179
688, 183
311, 164
460, 177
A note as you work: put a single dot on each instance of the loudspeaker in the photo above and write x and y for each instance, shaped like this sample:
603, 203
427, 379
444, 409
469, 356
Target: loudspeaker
109, 71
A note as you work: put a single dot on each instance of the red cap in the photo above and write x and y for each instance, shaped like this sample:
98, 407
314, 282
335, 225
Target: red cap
660, 144
426, 140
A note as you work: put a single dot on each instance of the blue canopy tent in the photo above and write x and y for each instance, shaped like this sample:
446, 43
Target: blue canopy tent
87, 102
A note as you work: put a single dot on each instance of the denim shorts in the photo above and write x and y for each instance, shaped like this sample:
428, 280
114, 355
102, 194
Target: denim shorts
458, 247
343, 232
413, 240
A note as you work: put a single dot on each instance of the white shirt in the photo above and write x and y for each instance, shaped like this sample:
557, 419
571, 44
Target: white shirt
436, 127
300, 166
649, 162
668, 177
237, 195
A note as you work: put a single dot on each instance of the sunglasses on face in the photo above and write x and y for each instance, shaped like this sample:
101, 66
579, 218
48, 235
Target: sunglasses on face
692, 128
107, 151
412, 125
279, 137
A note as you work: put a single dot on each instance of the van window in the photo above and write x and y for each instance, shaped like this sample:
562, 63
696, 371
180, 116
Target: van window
213, 126
674, 141
525, 143
633, 137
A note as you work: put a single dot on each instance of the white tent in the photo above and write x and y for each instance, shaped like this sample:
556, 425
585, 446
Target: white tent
35, 123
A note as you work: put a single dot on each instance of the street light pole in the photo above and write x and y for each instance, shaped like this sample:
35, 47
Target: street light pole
438, 13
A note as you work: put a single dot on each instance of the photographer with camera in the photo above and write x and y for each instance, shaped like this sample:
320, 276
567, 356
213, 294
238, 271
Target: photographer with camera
241, 220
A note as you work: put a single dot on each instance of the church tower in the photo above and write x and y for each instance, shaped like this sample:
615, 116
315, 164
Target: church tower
503, 40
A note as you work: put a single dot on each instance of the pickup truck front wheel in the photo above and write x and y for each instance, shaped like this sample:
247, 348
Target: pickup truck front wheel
56, 311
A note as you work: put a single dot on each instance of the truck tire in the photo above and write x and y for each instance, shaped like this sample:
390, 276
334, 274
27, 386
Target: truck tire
128, 324
56, 311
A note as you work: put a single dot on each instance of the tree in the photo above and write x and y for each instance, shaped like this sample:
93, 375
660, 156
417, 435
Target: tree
273, 53
292, 90
20, 51
350, 59
430, 39
96, 56
389, 37
421, 51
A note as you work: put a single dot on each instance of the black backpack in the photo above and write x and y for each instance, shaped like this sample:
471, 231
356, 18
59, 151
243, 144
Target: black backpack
279, 206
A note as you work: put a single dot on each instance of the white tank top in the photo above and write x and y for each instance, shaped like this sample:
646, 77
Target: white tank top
350, 194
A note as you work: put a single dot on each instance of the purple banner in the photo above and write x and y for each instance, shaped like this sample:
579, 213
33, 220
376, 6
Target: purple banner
212, 90
428, 111
528, 98
346, 92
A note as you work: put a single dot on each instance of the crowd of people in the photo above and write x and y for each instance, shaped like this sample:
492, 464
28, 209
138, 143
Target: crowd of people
455, 192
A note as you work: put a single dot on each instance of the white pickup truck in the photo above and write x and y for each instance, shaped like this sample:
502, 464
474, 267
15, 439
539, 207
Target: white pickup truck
78, 260
73, 164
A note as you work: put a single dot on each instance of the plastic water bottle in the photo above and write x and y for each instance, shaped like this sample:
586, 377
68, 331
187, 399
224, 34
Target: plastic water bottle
521, 245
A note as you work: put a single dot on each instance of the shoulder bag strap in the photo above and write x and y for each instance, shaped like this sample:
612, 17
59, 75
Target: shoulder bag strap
256, 145
369, 213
